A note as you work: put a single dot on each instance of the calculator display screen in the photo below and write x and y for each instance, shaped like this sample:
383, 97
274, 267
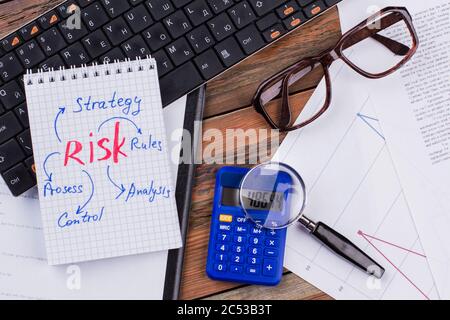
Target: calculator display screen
254, 199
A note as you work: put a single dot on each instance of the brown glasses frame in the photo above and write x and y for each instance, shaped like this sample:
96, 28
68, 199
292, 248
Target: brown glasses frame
325, 59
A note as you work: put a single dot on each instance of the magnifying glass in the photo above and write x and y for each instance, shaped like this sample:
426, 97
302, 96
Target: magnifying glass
273, 196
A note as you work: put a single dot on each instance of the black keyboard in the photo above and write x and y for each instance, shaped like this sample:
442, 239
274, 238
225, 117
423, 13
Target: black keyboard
192, 41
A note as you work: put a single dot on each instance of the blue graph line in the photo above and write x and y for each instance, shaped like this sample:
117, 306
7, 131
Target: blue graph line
366, 121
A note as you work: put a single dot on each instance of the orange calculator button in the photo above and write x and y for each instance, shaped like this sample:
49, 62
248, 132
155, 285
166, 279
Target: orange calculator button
226, 218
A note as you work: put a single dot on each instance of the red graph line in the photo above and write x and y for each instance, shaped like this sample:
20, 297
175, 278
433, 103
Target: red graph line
391, 244
362, 234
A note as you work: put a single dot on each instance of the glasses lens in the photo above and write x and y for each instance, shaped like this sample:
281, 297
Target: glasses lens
381, 45
299, 82
273, 195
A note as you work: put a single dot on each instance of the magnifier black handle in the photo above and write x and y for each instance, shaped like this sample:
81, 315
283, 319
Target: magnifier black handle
346, 249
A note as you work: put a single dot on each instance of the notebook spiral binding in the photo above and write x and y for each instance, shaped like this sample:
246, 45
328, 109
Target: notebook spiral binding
73, 73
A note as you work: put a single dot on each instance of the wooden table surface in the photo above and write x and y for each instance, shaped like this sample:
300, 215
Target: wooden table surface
228, 106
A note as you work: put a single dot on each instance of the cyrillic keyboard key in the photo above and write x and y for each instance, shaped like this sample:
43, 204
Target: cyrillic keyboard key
229, 52
94, 16
135, 47
241, 14
30, 54
138, 18
163, 62
198, 12
209, 64
171, 86
10, 154
10, 67
115, 7
221, 26
54, 62
200, 39
156, 36
9, 126
179, 51
160, 8
11, 95
220, 5
177, 24
51, 41
96, 44
111, 56
75, 55
117, 31
18, 179
21, 112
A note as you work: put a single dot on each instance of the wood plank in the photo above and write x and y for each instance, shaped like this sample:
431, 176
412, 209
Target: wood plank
290, 288
195, 283
15, 14
235, 88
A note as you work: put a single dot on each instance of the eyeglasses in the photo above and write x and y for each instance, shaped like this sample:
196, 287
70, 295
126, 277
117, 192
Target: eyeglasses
388, 35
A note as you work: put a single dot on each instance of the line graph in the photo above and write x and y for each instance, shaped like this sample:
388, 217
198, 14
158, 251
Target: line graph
370, 240
368, 120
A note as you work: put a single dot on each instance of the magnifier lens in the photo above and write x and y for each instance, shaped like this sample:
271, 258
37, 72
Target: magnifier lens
273, 195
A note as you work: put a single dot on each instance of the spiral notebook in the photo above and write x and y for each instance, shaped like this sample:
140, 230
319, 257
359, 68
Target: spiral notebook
102, 162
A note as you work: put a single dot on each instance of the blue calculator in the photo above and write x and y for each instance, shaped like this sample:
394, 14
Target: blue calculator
239, 250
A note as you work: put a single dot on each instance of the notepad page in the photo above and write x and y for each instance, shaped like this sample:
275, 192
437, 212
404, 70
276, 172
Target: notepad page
102, 162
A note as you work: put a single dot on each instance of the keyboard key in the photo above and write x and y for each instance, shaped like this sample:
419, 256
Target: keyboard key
94, 16
160, 8
51, 41
274, 32
84, 3
75, 55
163, 62
138, 18
271, 252
241, 14
254, 251
115, 7
314, 9
221, 257
200, 39
179, 51
177, 24
267, 21
198, 12
264, 6
253, 270
29, 31
96, 44
30, 54
156, 36
11, 95
135, 47
73, 34
269, 267
221, 26
229, 52
10, 154
236, 269
10, 67
180, 3
287, 9
49, 19
21, 112
220, 5
9, 126
29, 163
250, 39
18, 179
111, 56
294, 20
272, 242
117, 31
12, 41
238, 259
54, 62
25, 142
67, 9
220, 267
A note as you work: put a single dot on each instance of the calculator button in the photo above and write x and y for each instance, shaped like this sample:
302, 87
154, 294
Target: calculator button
269, 267
222, 247
224, 227
221, 257
238, 249
273, 233
220, 267
223, 237
237, 259
236, 269
226, 218
239, 239
241, 220
270, 252
255, 241
256, 231
241, 229
253, 260
254, 251
253, 270
271, 242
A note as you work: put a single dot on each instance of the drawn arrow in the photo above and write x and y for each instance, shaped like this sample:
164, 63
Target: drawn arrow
60, 112
81, 208
120, 118
49, 175
121, 187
